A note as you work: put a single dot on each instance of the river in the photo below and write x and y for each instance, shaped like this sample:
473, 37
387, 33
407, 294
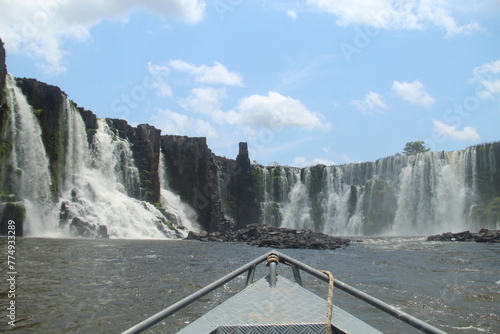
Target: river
106, 286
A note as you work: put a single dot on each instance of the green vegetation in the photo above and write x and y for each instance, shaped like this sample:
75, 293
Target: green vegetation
415, 147
258, 181
169, 225
379, 205
488, 215
57, 150
38, 114
315, 194
5, 149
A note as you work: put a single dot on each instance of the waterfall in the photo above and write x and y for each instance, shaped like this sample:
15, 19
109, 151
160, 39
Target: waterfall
337, 194
435, 192
114, 158
31, 178
182, 215
93, 188
296, 211
422, 194
98, 181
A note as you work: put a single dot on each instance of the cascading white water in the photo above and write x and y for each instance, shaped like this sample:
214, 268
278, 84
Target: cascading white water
94, 192
434, 194
335, 203
182, 214
31, 165
114, 158
296, 211
417, 195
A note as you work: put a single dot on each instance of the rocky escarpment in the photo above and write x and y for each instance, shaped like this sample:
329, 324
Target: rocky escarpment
221, 190
192, 173
3, 72
11, 208
145, 144
48, 104
484, 235
5, 145
248, 211
280, 238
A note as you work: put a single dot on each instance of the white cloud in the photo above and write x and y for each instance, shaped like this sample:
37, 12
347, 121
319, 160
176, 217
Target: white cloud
303, 162
413, 92
158, 79
396, 14
371, 102
204, 129
216, 74
205, 100
39, 29
173, 123
292, 14
488, 76
448, 131
275, 111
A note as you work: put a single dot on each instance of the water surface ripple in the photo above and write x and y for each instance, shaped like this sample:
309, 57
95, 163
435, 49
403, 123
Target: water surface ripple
106, 286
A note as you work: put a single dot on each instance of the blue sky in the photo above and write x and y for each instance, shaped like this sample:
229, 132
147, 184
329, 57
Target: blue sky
303, 82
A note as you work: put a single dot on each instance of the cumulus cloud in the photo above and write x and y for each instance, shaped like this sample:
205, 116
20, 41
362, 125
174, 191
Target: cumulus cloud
396, 14
413, 92
371, 102
488, 76
274, 111
39, 28
216, 74
158, 80
205, 100
448, 131
174, 123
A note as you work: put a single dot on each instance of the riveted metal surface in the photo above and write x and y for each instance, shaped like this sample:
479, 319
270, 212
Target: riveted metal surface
287, 306
277, 329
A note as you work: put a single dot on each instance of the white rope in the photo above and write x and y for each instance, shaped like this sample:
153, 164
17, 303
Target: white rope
331, 281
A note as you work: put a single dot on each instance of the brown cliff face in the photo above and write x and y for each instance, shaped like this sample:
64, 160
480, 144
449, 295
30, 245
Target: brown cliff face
248, 211
3, 71
145, 144
48, 104
4, 145
216, 187
192, 174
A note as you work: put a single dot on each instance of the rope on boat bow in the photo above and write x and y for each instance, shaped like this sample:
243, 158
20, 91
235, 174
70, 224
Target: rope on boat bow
273, 257
331, 281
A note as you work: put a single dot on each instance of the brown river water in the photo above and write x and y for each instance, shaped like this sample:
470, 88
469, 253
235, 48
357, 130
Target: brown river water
107, 286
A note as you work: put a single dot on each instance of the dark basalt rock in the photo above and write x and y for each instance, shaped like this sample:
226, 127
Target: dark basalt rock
84, 229
246, 194
192, 173
279, 238
145, 145
3, 70
12, 211
484, 235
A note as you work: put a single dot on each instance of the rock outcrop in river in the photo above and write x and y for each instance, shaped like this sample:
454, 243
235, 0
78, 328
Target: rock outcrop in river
484, 235
266, 236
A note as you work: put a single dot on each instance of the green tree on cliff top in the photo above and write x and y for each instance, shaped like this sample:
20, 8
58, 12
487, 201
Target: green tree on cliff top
415, 147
